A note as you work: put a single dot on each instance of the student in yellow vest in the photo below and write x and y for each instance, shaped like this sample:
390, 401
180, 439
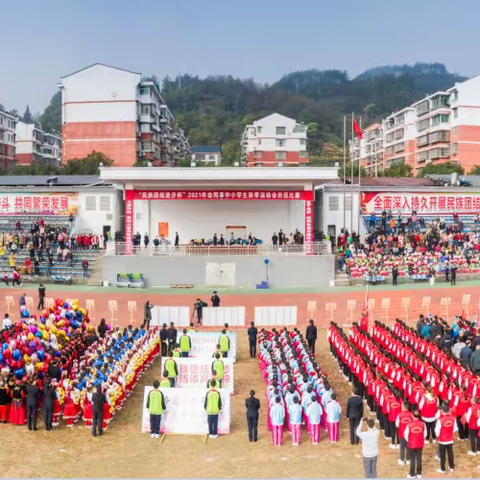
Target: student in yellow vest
214, 377
165, 382
185, 343
192, 328
217, 367
217, 350
171, 369
224, 344
226, 328
176, 351
155, 405
213, 405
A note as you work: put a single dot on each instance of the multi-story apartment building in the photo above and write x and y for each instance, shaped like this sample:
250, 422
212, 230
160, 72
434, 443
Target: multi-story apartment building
442, 127
7, 140
114, 111
274, 140
202, 155
372, 147
36, 146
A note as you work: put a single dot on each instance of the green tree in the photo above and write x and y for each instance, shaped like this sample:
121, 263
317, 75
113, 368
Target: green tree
27, 116
475, 170
184, 162
51, 119
399, 170
88, 165
441, 169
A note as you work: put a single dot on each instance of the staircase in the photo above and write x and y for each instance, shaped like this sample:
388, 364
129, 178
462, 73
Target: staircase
341, 278
96, 276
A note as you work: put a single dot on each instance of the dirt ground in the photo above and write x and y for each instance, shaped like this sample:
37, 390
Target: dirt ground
123, 451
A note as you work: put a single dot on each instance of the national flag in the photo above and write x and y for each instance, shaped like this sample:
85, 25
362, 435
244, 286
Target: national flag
357, 130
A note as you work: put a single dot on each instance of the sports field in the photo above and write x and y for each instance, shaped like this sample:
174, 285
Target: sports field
125, 452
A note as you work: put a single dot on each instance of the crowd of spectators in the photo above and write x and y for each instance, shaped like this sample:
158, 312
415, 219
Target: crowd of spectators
410, 248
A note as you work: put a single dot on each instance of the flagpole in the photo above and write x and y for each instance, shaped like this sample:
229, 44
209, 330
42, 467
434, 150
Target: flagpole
359, 180
352, 159
344, 167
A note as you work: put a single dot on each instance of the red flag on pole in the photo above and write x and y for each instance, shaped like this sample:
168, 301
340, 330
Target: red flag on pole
357, 130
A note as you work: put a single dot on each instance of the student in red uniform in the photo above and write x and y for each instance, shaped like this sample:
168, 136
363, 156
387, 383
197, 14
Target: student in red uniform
461, 404
445, 428
404, 418
394, 407
415, 435
472, 417
428, 407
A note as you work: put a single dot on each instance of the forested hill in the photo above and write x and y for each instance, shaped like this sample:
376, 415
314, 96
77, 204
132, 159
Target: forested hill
214, 110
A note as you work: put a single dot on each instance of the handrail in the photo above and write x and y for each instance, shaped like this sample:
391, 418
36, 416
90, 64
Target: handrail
123, 248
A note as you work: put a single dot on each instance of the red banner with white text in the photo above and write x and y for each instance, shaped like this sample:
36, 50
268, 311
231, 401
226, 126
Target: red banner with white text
221, 195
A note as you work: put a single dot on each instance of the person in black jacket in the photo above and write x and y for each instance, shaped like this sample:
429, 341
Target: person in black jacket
54, 371
102, 328
172, 337
163, 339
311, 336
98, 400
395, 276
354, 414
453, 275
33, 396
48, 404
252, 340
41, 297
253, 406
215, 299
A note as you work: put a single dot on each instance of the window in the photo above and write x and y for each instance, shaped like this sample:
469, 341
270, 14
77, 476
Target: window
442, 136
455, 130
259, 141
389, 137
454, 148
455, 113
389, 150
440, 101
199, 156
211, 157
279, 143
399, 134
280, 130
439, 153
299, 129
259, 129
438, 119
400, 119
303, 141
399, 147
147, 146
146, 109
333, 204
455, 96
303, 154
144, 90
348, 202
1, 120
280, 155
422, 141
422, 108
90, 203
423, 124
105, 203
257, 154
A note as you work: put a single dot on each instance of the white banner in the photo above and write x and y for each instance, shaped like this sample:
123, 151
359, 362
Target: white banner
61, 203
180, 316
204, 343
276, 316
185, 411
219, 316
195, 372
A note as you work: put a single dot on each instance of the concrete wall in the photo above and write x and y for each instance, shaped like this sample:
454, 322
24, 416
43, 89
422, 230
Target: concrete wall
283, 271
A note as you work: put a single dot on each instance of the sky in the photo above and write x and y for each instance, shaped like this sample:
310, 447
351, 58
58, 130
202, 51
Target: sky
260, 39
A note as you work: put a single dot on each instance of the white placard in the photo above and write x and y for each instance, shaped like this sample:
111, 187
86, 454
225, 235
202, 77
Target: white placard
219, 316
195, 372
180, 316
276, 316
204, 343
185, 411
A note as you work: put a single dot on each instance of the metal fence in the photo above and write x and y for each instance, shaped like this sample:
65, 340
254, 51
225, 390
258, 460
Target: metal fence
122, 248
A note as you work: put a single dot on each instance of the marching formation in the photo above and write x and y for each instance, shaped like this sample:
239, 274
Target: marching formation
418, 391
62, 365
298, 392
